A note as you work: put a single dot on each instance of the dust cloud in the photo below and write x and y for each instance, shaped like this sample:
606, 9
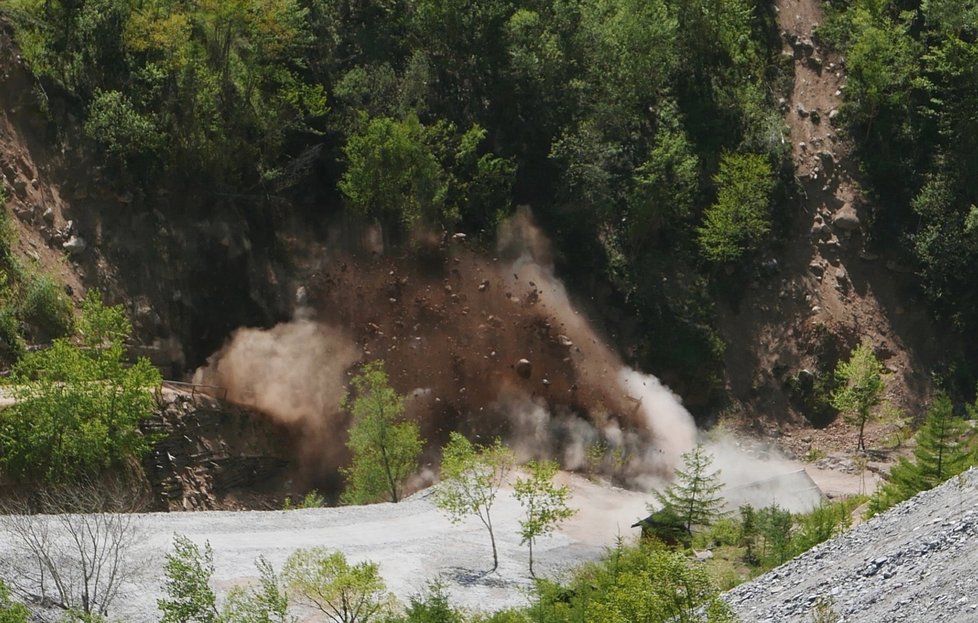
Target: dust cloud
294, 373
486, 342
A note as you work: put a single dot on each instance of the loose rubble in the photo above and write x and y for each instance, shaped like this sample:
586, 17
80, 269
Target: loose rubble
912, 564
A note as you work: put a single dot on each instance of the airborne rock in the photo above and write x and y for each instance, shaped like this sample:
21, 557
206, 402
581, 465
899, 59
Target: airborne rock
524, 368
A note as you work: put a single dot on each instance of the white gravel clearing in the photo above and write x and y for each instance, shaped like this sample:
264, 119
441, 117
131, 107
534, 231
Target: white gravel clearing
412, 541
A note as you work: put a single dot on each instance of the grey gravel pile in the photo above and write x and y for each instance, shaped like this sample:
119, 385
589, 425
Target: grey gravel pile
917, 562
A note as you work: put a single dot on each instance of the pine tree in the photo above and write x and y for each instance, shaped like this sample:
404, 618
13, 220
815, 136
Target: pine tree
943, 450
694, 495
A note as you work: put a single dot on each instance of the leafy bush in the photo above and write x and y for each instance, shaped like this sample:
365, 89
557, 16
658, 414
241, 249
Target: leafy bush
641, 583
11, 612
78, 406
312, 499
45, 305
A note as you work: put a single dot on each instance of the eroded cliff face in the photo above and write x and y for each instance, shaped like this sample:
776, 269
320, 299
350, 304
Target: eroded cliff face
213, 455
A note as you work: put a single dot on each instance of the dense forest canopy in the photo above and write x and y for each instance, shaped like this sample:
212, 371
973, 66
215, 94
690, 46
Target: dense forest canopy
646, 135
620, 121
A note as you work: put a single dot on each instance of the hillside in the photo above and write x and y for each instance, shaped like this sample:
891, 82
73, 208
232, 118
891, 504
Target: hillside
913, 563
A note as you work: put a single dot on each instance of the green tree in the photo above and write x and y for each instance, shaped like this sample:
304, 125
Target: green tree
267, 603
694, 495
821, 524
861, 387
78, 404
634, 583
344, 593
385, 449
392, 175
189, 597
544, 503
470, 480
748, 532
10, 611
774, 526
187, 573
944, 449
739, 220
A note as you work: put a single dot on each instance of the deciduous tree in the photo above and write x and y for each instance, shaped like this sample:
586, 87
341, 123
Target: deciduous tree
385, 448
544, 503
78, 405
470, 480
861, 386
345, 593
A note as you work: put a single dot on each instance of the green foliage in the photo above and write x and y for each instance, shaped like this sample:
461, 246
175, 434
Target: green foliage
861, 386
393, 176
944, 449
385, 450
643, 583
344, 593
186, 585
119, 129
403, 174
189, 597
470, 480
267, 603
740, 220
544, 503
312, 499
694, 496
208, 88
774, 526
78, 406
824, 522
430, 606
10, 611
910, 106
608, 117
45, 305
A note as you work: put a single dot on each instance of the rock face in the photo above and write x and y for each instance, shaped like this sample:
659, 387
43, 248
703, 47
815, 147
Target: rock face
215, 456
912, 564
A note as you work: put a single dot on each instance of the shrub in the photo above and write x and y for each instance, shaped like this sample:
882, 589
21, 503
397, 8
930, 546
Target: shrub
45, 306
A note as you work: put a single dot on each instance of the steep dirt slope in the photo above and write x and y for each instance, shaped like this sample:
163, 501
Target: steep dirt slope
40, 212
827, 289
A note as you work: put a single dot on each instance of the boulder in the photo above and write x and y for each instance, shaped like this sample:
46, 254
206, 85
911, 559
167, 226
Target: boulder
75, 245
524, 368
846, 218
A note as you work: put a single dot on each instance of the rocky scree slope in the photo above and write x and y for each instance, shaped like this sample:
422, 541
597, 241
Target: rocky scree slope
914, 563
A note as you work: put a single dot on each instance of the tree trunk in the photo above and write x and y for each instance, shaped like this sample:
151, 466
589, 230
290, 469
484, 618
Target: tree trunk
532, 575
492, 539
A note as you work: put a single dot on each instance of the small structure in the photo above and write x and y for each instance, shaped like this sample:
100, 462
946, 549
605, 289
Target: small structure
664, 525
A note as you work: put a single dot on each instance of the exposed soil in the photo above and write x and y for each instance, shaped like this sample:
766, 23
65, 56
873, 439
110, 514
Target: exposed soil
827, 288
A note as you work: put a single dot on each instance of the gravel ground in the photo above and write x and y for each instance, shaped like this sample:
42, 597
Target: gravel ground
913, 564
412, 541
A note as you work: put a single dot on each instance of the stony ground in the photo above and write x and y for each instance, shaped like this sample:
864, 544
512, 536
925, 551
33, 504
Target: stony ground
913, 564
